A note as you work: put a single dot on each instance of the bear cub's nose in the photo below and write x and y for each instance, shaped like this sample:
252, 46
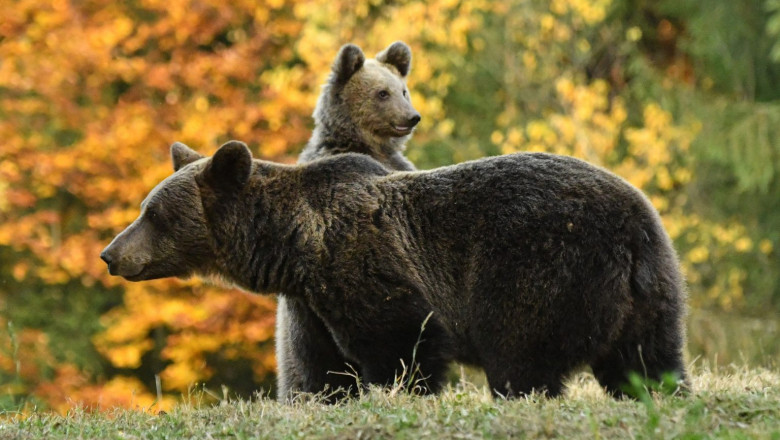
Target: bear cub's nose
414, 120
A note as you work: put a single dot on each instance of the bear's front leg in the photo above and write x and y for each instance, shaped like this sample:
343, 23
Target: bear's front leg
307, 356
402, 354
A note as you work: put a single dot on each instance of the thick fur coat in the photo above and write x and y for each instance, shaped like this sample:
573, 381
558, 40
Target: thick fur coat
531, 265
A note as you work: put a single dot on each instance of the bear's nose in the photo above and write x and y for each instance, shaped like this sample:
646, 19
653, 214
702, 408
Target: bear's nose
414, 119
105, 257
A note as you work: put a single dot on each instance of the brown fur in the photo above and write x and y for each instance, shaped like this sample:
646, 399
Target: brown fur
531, 265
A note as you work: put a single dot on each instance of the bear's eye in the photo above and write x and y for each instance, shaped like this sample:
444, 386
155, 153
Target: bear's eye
383, 94
153, 216
404, 93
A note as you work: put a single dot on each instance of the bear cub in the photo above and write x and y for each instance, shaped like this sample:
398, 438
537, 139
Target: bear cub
529, 265
365, 107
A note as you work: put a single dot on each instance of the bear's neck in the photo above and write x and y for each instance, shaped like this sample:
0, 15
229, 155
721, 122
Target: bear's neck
271, 246
343, 135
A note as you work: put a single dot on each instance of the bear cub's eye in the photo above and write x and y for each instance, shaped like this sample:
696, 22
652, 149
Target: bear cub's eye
383, 94
404, 93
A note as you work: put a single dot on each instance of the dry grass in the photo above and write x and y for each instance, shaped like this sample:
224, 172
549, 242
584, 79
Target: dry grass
735, 402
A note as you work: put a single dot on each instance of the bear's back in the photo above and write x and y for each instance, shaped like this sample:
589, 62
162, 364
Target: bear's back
507, 174
525, 194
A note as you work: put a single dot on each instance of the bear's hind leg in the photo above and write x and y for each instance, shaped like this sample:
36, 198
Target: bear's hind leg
651, 358
652, 338
610, 371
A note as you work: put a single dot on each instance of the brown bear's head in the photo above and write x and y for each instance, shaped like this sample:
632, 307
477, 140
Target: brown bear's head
370, 94
171, 237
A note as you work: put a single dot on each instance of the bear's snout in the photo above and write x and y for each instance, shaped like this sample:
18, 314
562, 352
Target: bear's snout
404, 128
127, 255
126, 266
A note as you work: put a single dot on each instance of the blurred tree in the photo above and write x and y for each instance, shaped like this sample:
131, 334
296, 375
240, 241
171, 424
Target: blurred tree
92, 94
717, 64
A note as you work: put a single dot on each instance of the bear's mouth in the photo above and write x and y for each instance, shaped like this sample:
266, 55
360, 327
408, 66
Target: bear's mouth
128, 272
402, 130
139, 276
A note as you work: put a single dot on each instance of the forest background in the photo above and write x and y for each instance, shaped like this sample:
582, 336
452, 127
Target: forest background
680, 97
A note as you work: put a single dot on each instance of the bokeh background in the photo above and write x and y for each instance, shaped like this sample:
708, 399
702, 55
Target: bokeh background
680, 97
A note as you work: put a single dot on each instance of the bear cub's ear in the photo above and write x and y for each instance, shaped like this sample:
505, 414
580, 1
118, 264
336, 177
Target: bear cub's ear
349, 60
183, 155
399, 55
230, 167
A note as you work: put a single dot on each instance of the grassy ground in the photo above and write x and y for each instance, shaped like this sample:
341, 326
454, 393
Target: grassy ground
730, 403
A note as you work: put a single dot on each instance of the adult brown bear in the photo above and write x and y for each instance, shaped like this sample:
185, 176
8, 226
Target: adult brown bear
531, 264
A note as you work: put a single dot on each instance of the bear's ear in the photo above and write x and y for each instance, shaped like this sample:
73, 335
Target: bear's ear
230, 167
349, 60
182, 155
399, 55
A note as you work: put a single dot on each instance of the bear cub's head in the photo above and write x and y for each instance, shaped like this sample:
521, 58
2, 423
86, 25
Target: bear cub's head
171, 237
369, 95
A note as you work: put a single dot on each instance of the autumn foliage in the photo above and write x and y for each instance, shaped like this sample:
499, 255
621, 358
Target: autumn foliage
92, 94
